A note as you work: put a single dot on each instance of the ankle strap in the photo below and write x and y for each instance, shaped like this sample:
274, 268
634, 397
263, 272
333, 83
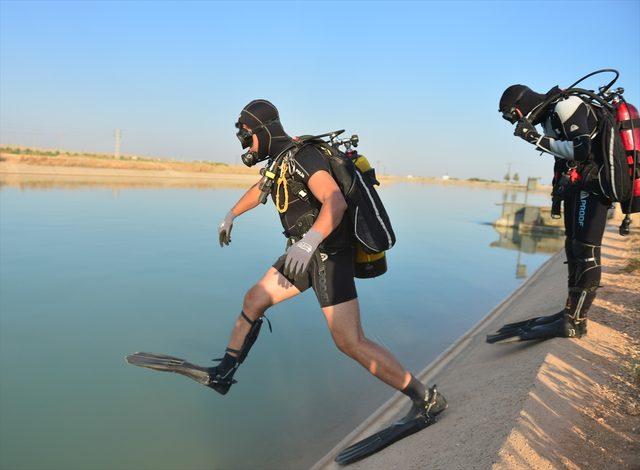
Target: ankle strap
249, 320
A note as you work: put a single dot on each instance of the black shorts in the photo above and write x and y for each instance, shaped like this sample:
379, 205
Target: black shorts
330, 276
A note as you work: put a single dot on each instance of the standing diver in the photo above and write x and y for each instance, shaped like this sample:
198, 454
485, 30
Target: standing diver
570, 135
320, 255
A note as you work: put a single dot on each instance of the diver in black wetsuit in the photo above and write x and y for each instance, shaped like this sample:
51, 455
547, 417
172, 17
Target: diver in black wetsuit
319, 256
570, 135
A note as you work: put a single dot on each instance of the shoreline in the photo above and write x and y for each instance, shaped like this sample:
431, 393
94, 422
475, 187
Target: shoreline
498, 388
17, 172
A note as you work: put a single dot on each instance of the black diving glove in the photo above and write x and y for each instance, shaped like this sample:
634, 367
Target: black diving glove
527, 131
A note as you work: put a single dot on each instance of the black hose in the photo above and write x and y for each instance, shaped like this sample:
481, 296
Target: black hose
607, 86
533, 115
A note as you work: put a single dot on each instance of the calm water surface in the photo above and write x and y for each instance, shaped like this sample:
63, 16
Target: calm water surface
90, 275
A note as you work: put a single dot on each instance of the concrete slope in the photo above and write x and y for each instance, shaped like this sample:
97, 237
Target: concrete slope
486, 386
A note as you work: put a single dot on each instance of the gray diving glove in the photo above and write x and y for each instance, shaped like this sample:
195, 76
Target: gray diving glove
224, 229
299, 255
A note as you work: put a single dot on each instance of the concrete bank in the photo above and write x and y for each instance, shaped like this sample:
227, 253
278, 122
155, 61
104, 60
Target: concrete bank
519, 405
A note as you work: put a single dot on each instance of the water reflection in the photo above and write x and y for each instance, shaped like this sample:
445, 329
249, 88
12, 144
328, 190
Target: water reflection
526, 229
49, 182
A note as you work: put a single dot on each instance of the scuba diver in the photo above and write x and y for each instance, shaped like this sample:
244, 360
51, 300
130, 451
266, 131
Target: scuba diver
570, 133
320, 255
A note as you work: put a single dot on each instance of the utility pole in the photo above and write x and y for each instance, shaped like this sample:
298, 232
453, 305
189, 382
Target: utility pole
118, 136
507, 177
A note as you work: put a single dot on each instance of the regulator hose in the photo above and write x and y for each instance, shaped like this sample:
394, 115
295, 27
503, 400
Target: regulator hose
607, 86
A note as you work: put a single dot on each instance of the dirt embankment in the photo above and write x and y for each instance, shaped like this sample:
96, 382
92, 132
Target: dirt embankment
43, 171
583, 410
31, 167
65, 160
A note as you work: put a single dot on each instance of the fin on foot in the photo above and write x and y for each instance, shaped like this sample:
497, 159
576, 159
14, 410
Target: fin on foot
203, 375
434, 405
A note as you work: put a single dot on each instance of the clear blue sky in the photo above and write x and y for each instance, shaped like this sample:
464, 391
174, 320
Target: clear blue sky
419, 81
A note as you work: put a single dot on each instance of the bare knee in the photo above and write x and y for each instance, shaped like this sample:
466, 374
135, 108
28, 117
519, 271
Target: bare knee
349, 344
256, 301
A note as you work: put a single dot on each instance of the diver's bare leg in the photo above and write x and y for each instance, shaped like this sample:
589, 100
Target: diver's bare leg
344, 323
268, 291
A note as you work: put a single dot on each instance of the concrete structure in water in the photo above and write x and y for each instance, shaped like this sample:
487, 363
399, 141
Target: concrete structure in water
529, 219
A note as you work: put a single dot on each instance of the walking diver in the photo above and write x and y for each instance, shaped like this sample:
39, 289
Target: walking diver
570, 127
320, 256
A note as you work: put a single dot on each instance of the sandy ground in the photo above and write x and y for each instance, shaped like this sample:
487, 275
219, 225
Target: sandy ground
36, 176
562, 403
124, 163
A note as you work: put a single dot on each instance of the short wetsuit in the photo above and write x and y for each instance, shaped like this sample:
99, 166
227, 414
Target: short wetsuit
331, 271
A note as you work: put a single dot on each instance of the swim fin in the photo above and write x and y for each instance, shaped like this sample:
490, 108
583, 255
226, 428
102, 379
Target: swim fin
418, 418
541, 320
562, 327
207, 376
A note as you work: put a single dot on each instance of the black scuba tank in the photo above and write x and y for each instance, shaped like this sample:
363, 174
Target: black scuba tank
372, 231
367, 265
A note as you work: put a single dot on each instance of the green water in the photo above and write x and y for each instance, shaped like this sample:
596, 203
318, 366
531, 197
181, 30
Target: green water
90, 275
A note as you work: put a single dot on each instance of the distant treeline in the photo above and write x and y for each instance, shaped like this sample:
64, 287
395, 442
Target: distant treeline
482, 180
57, 153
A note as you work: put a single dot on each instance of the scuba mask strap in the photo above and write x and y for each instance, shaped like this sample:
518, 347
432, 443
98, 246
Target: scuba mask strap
243, 134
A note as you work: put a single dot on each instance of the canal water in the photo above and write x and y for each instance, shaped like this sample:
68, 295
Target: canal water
90, 274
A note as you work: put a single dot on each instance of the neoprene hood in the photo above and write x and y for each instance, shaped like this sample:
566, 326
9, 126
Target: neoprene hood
263, 119
523, 98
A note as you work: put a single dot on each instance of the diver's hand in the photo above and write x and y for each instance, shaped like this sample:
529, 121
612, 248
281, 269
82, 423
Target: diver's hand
300, 254
224, 229
525, 130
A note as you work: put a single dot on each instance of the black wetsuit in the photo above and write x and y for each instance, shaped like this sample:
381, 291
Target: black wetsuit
571, 136
330, 272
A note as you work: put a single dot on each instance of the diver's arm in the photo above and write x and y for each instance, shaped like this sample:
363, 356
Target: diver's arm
248, 201
577, 148
325, 189
573, 115
558, 148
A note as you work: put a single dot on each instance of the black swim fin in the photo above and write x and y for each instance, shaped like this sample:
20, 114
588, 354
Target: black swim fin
417, 419
541, 320
207, 376
563, 327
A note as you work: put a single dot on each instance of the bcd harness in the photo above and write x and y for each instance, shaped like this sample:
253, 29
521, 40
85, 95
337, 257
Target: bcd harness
371, 232
614, 173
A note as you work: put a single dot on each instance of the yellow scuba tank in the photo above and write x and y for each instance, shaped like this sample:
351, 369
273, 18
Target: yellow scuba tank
367, 265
